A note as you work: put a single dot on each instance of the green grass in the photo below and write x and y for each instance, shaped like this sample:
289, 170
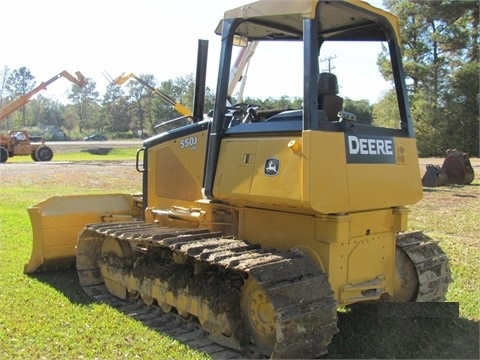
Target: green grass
48, 315
114, 154
451, 215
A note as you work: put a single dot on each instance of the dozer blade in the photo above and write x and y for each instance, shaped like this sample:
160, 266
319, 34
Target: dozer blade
57, 222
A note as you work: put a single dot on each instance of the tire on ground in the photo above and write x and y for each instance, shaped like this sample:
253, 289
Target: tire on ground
3, 155
43, 153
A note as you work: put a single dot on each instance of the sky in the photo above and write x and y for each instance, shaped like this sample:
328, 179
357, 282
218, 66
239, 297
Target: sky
120, 36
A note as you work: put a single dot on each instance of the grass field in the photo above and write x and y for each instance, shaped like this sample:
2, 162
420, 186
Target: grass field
48, 316
113, 154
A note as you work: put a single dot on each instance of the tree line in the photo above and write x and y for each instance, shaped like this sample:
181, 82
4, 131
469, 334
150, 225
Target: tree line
441, 63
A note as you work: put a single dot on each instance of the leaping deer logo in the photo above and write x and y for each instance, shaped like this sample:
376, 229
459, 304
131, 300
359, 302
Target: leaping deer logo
272, 166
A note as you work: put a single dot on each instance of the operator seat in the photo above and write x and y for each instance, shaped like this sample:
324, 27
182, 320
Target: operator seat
328, 100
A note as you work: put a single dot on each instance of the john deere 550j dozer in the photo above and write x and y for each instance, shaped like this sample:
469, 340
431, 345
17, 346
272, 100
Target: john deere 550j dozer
258, 225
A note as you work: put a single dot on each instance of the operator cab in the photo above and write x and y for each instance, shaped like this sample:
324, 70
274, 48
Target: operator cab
306, 47
333, 40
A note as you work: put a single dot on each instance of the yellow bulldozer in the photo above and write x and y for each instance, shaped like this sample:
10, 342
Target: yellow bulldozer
259, 224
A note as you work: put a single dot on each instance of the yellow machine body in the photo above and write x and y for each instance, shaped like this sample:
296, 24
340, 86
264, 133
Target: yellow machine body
345, 216
57, 221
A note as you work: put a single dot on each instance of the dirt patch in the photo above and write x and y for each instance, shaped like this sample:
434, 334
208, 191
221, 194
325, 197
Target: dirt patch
98, 151
108, 175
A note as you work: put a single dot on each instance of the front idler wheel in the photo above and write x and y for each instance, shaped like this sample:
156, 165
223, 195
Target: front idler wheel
115, 253
259, 316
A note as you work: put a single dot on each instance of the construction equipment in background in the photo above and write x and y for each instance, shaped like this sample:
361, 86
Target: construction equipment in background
455, 170
18, 142
22, 100
458, 168
239, 70
121, 79
434, 176
237, 75
257, 227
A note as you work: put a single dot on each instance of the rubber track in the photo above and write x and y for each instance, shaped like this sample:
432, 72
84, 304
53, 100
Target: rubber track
431, 263
297, 289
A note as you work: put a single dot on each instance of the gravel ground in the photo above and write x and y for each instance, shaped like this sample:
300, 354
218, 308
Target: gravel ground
88, 174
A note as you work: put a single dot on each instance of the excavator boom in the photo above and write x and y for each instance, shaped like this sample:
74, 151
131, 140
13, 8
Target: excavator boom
22, 100
19, 142
237, 73
120, 80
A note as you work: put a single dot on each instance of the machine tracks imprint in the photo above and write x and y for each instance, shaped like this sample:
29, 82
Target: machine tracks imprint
171, 324
247, 298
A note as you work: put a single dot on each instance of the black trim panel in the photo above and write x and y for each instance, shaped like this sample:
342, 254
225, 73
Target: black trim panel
176, 133
291, 122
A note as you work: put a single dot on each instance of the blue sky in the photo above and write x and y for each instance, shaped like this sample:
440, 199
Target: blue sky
142, 36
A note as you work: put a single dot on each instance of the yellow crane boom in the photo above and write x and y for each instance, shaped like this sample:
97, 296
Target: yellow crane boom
120, 80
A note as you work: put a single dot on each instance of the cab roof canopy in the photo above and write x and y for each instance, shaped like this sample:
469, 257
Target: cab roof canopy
338, 20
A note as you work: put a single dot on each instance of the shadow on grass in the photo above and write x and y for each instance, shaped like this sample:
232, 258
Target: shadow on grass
449, 187
98, 151
366, 333
171, 325
66, 282
394, 331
